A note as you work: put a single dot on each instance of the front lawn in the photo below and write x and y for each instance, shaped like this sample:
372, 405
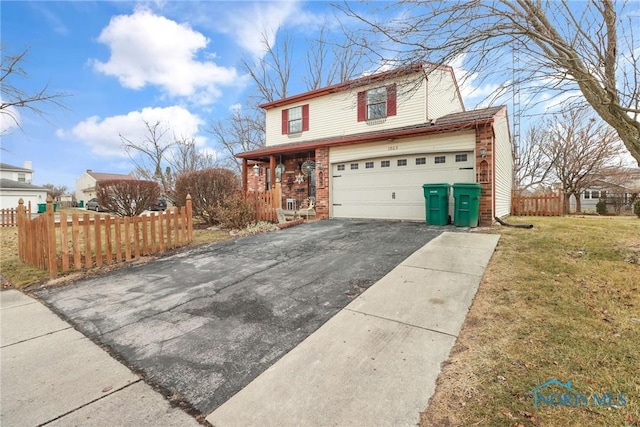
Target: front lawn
559, 301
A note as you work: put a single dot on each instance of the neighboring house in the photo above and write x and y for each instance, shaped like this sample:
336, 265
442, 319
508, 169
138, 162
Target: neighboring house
619, 191
15, 184
364, 148
86, 184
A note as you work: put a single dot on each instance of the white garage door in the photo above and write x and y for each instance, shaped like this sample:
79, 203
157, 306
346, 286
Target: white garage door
391, 187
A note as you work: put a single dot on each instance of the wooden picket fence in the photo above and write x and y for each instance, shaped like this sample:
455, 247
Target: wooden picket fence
9, 217
537, 205
62, 242
265, 203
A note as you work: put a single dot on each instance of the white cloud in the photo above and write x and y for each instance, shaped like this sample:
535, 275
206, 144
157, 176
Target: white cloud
250, 26
10, 119
102, 136
151, 49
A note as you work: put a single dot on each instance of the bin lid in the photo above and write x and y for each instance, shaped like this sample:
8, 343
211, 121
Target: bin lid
467, 185
435, 185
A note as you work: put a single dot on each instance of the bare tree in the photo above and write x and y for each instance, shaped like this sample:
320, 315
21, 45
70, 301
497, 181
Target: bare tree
55, 191
148, 155
271, 73
238, 133
330, 63
586, 49
531, 167
579, 148
14, 98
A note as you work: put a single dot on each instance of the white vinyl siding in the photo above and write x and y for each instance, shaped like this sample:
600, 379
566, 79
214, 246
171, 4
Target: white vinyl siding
456, 142
336, 114
503, 167
443, 95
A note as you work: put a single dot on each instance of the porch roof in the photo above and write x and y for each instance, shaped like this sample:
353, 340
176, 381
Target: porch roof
450, 123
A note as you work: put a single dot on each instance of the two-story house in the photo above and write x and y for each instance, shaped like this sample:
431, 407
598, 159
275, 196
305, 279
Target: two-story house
364, 148
86, 184
16, 184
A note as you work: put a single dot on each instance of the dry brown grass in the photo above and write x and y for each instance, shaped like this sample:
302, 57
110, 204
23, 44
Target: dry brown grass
560, 301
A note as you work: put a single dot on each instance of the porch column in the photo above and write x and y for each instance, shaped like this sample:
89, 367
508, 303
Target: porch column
245, 184
272, 170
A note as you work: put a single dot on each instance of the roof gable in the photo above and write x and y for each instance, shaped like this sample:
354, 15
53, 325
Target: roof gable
362, 81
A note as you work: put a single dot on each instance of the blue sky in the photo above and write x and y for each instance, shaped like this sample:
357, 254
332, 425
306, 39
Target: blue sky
125, 62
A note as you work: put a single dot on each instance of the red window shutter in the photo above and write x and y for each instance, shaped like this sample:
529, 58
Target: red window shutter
391, 100
285, 122
362, 106
305, 117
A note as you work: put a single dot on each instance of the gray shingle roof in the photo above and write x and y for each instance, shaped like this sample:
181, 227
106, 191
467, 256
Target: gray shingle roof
9, 183
6, 166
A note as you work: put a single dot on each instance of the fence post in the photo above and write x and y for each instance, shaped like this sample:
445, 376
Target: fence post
21, 229
50, 227
276, 203
189, 218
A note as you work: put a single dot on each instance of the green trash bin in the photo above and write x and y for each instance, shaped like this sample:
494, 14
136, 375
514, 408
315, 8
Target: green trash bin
467, 204
55, 207
436, 197
81, 205
42, 207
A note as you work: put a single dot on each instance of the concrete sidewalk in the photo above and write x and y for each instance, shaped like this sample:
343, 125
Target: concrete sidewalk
53, 375
376, 361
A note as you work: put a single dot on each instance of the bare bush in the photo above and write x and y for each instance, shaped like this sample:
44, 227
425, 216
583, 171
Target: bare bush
208, 189
127, 197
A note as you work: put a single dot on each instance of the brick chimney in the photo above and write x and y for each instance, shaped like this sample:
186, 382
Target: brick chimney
28, 165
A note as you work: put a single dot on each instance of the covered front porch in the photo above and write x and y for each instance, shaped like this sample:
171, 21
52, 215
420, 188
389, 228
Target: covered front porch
300, 175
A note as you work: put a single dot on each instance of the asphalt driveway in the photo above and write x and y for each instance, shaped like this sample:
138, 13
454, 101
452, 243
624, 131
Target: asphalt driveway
205, 322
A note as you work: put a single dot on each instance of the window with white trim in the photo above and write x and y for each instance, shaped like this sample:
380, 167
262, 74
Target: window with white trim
295, 120
368, 165
376, 103
354, 166
461, 158
340, 167
421, 161
385, 163
439, 159
402, 162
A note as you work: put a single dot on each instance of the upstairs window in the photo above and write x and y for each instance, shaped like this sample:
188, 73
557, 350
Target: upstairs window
295, 120
377, 103
22, 177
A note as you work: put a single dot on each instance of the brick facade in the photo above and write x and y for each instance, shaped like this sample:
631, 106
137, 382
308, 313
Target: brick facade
484, 171
322, 183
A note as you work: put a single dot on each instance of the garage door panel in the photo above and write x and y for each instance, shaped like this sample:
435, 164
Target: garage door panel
394, 191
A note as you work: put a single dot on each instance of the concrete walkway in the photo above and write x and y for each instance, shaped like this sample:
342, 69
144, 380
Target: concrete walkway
53, 375
376, 361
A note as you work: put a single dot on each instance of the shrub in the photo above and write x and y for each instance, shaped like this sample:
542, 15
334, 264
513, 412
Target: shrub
601, 207
235, 212
209, 188
636, 208
127, 197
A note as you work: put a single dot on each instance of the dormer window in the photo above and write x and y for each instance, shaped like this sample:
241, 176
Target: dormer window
295, 120
377, 103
